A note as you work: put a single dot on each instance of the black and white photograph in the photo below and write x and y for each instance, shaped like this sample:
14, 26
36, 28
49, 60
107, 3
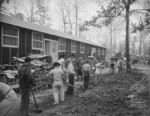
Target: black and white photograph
74, 57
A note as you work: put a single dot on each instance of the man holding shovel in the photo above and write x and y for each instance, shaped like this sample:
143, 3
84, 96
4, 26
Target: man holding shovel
71, 75
26, 81
58, 87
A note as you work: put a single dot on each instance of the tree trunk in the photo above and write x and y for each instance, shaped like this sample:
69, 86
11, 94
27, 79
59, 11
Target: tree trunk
128, 67
110, 49
64, 24
140, 47
76, 22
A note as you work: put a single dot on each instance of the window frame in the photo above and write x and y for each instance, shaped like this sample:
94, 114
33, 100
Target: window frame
82, 47
72, 51
62, 44
103, 52
38, 41
12, 46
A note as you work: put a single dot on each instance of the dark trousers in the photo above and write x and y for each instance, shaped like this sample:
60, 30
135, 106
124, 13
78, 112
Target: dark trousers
79, 73
24, 106
86, 79
70, 89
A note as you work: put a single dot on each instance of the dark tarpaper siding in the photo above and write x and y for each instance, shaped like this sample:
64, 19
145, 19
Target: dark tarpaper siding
88, 50
61, 53
28, 42
77, 50
51, 37
0, 43
22, 43
5, 55
25, 42
68, 48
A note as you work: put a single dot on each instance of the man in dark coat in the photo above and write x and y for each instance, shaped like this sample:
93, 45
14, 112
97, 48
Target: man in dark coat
26, 81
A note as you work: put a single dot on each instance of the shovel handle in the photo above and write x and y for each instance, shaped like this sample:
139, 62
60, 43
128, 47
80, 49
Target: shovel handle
71, 85
34, 100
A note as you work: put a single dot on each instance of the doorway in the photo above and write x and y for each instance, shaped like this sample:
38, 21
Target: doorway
51, 48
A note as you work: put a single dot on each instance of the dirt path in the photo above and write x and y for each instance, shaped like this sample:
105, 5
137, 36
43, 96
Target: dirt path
113, 94
45, 100
144, 68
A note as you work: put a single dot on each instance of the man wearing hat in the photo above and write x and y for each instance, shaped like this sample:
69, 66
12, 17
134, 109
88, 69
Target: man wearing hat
61, 61
26, 81
71, 75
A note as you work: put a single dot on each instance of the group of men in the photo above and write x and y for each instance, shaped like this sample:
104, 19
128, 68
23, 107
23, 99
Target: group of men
80, 68
71, 67
116, 66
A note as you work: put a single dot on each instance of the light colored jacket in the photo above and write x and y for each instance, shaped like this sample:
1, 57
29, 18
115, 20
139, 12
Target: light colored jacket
71, 68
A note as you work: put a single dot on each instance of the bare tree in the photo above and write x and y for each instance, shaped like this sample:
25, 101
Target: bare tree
15, 8
43, 12
31, 11
78, 4
69, 15
62, 13
133, 44
142, 37
111, 37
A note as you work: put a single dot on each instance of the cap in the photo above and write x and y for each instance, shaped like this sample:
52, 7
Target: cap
56, 64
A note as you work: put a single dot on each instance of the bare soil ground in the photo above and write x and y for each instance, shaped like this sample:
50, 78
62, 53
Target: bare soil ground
121, 94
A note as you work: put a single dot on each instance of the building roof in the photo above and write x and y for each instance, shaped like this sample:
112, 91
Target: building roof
24, 24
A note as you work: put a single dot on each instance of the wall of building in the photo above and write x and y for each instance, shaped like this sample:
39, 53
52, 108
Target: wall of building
0, 43
25, 47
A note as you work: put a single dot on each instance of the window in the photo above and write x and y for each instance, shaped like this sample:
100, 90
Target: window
73, 46
99, 51
62, 45
103, 52
37, 41
82, 48
10, 36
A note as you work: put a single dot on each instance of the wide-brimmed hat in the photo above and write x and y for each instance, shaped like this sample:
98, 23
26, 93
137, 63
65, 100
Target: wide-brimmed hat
27, 59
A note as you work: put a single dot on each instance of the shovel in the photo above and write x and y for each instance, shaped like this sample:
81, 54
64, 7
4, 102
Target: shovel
36, 105
82, 89
73, 86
